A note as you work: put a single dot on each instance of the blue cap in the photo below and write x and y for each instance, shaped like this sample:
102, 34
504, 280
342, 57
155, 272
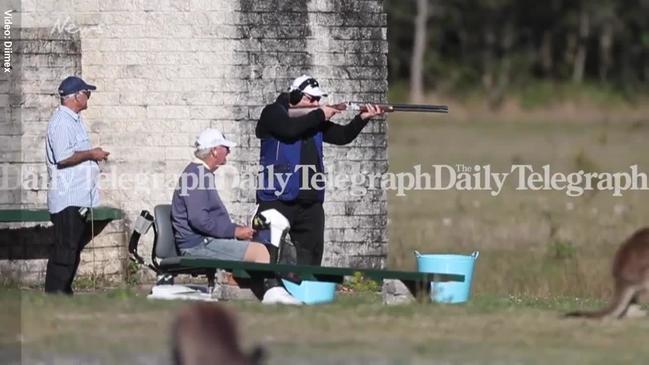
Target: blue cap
73, 84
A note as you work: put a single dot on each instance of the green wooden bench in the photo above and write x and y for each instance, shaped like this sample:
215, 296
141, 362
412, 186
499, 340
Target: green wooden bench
42, 215
166, 261
417, 282
32, 241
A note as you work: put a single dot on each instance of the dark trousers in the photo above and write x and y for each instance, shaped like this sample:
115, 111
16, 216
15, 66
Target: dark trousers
307, 228
71, 234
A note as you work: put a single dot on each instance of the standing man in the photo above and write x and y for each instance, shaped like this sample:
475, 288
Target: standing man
72, 183
294, 146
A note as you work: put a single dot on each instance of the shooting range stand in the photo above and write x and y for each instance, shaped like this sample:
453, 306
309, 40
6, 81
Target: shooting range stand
168, 263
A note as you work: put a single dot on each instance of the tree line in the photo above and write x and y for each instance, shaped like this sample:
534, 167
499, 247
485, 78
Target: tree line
498, 45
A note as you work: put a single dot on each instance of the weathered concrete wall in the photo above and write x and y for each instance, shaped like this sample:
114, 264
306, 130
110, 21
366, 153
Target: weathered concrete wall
167, 70
39, 59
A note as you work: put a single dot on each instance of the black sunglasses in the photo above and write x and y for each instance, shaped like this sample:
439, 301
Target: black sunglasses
86, 93
312, 98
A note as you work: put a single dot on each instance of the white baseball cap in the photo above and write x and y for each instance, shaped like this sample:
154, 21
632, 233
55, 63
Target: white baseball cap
212, 138
307, 85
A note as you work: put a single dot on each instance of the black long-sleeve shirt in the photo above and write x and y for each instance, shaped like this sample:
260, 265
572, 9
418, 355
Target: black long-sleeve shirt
275, 122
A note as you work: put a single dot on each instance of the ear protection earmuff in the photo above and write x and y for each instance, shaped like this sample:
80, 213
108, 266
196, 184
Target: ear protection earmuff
295, 96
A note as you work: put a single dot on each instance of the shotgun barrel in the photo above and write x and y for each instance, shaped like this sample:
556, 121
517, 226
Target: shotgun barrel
386, 108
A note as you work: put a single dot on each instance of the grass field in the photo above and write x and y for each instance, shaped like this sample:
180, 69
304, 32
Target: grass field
532, 243
122, 327
542, 254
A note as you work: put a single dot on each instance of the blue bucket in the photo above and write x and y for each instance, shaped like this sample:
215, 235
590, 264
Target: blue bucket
450, 291
312, 292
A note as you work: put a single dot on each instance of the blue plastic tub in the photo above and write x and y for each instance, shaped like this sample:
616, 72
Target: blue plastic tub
312, 292
451, 291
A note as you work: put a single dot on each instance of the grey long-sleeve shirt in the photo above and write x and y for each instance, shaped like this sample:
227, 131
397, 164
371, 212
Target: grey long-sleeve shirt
197, 210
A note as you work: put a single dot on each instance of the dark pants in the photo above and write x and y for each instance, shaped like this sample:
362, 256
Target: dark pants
307, 228
71, 234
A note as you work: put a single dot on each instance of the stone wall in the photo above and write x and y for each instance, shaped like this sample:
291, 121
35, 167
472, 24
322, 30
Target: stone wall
166, 70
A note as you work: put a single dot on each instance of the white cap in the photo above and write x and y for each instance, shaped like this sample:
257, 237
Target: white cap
307, 85
212, 138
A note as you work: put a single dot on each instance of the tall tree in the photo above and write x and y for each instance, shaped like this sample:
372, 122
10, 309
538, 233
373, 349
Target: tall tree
582, 44
418, 52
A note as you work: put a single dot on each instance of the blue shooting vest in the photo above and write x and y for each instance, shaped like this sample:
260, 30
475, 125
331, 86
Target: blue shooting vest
283, 158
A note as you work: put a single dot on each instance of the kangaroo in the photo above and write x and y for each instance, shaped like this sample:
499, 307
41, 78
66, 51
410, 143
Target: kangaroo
631, 278
205, 334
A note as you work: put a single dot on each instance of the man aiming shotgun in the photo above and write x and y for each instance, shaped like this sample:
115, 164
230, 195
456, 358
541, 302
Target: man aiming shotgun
292, 143
292, 131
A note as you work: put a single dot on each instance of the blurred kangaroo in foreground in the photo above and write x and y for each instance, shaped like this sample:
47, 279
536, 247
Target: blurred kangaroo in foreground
631, 277
206, 334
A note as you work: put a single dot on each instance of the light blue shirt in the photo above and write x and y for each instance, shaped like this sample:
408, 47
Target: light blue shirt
74, 185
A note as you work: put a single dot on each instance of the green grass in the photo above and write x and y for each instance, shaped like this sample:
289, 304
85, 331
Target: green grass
531, 243
533, 94
118, 326
545, 93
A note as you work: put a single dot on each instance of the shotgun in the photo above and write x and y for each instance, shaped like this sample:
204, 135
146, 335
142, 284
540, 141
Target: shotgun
386, 108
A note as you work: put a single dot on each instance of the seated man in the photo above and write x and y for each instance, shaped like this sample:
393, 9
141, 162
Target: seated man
201, 223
